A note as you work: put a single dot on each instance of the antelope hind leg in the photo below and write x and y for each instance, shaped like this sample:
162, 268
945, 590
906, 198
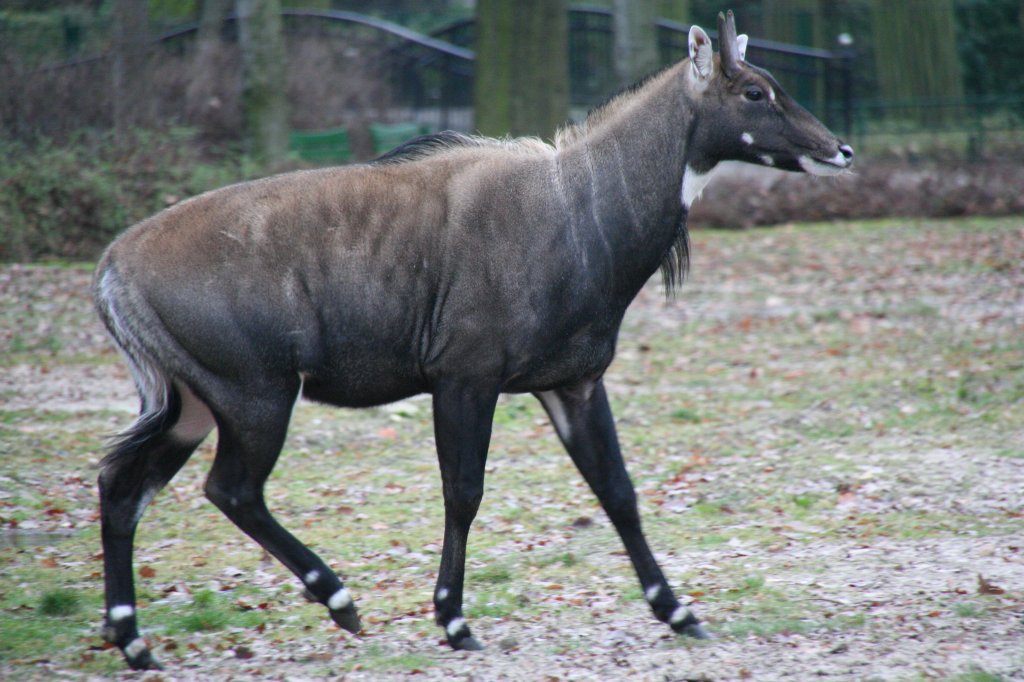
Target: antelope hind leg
132, 474
249, 444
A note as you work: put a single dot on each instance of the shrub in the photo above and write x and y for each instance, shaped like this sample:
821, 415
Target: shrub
69, 200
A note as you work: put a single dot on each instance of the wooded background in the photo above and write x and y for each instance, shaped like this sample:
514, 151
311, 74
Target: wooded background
113, 109
906, 51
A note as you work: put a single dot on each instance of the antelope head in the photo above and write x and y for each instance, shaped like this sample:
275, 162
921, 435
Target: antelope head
746, 115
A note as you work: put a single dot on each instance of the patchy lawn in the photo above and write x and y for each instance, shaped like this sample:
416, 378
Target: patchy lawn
826, 429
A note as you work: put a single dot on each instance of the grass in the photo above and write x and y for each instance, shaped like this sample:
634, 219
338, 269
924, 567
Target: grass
777, 422
60, 602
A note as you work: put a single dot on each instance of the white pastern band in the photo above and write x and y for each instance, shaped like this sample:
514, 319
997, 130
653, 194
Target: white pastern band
117, 613
455, 625
339, 600
135, 647
679, 615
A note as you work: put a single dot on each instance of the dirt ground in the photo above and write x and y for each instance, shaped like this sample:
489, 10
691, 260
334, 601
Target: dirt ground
826, 429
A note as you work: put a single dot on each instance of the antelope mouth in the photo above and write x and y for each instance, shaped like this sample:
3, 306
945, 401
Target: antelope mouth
833, 165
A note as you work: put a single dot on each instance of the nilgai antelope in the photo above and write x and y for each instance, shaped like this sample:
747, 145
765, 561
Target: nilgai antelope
459, 266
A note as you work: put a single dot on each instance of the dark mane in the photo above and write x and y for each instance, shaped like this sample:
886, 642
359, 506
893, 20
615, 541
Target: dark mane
428, 145
576, 130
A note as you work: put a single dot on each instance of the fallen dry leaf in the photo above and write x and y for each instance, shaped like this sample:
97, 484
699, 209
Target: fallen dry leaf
985, 587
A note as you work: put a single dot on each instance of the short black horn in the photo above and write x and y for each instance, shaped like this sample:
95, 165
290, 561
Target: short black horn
727, 48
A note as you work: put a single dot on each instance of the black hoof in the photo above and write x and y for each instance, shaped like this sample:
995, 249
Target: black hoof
696, 631
347, 619
143, 661
683, 622
469, 643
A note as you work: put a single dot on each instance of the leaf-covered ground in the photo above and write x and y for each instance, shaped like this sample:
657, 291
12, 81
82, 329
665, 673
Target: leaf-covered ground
826, 429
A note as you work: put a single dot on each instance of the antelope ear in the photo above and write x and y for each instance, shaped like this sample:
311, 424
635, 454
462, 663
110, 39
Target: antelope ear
741, 46
700, 53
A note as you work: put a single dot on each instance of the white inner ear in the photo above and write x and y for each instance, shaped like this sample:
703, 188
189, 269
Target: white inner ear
741, 46
700, 52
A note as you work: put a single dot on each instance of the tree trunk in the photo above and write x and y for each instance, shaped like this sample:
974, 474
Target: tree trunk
203, 103
264, 103
521, 85
133, 105
211, 20
916, 53
677, 10
794, 21
636, 39
798, 22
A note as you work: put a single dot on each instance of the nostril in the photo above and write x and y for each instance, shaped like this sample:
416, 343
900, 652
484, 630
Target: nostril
847, 151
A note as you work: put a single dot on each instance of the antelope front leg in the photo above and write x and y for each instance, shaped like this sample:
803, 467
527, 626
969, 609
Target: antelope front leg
583, 419
462, 429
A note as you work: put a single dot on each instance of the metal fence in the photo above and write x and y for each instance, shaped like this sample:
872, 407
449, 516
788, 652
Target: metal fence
430, 77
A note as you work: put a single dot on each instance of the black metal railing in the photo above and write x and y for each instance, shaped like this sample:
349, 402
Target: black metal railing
430, 77
813, 76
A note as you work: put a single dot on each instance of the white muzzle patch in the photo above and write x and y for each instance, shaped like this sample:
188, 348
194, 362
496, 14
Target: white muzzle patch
834, 166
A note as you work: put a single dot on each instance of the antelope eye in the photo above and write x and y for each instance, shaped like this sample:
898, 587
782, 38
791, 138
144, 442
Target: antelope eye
754, 93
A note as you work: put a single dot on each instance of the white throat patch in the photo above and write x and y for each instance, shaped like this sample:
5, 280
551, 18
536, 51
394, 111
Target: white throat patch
693, 184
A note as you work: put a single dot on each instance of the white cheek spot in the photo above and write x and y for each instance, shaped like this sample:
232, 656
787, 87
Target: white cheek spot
311, 577
442, 594
771, 93
135, 647
652, 592
679, 615
693, 185
747, 138
339, 600
455, 625
767, 160
117, 613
